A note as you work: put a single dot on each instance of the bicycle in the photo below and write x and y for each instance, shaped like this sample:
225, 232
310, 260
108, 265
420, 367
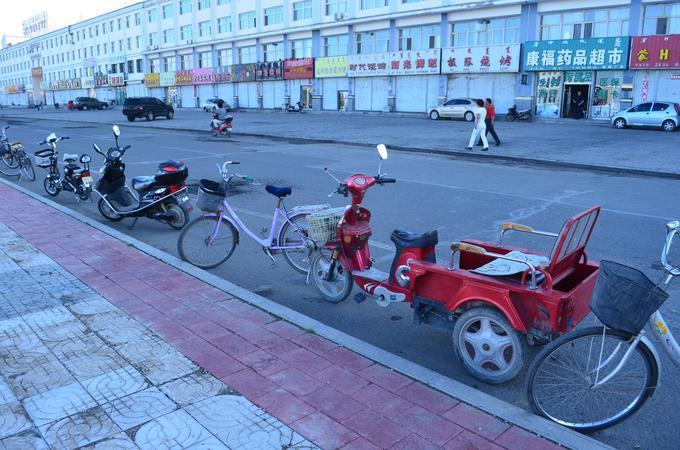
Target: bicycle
14, 157
593, 378
210, 240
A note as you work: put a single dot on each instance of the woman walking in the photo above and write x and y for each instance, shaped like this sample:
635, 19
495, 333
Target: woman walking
479, 131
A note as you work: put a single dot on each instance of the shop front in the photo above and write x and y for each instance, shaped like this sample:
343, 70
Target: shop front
167, 82
184, 80
102, 90
299, 73
332, 72
655, 60
135, 85
416, 79
203, 80
371, 81
117, 85
224, 84
577, 77
246, 88
270, 74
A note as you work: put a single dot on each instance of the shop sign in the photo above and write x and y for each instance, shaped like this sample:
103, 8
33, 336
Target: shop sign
63, 85
15, 89
167, 79
268, 71
184, 77
655, 52
100, 79
222, 74
607, 95
54, 85
608, 53
578, 77
549, 92
73, 83
334, 66
87, 82
152, 80
414, 62
298, 69
202, 76
37, 72
497, 58
370, 65
243, 72
116, 80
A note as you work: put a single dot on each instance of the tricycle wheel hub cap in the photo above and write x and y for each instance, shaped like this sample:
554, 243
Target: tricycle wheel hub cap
487, 345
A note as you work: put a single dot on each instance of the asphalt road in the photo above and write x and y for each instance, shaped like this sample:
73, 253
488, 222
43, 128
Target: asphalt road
461, 199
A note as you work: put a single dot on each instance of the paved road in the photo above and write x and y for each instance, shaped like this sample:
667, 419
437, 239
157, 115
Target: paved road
570, 141
462, 199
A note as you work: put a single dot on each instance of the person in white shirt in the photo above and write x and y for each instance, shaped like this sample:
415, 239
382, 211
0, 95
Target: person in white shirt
479, 131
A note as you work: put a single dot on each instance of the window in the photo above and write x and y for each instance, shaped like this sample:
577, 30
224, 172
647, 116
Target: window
153, 39
204, 59
247, 55
246, 21
660, 106
661, 19
120, 25
154, 65
153, 14
203, 4
223, 58
204, 29
301, 48
336, 45
485, 32
169, 36
168, 10
138, 41
224, 25
185, 33
184, 6
185, 62
273, 16
419, 38
335, 7
138, 19
585, 24
302, 10
372, 42
272, 51
127, 24
643, 107
139, 69
131, 66
129, 43
370, 4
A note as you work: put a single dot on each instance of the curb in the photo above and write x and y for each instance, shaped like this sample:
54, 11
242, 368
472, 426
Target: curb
468, 156
485, 402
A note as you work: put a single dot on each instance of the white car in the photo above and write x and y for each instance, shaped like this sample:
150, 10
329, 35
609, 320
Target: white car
215, 103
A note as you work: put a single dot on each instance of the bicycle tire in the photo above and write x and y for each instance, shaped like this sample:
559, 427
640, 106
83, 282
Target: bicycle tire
281, 240
586, 394
13, 161
27, 167
192, 226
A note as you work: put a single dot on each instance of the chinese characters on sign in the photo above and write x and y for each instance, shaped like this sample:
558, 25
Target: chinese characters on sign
268, 71
655, 52
151, 80
368, 65
334, 66
167, 79
101, 79
116, 80
184, 77
222, 75
578, 77
577, 54
202, 76
87, 82
394, 63
549, 91
607, 95
243, 72
499, 58
298, 69
34, 25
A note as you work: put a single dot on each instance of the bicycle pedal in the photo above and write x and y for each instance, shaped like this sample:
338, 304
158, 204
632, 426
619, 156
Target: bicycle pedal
360, 297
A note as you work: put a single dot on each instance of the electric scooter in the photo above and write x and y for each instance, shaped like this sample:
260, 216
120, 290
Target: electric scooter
161, 197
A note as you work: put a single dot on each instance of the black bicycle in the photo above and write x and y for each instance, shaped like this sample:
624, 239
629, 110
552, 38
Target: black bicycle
14, 158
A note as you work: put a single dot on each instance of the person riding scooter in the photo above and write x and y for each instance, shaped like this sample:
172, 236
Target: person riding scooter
219, 126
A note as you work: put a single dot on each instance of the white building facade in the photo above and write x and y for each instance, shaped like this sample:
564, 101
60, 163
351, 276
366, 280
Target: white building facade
367, 55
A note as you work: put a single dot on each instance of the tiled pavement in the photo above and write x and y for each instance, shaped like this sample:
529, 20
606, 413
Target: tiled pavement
103, 346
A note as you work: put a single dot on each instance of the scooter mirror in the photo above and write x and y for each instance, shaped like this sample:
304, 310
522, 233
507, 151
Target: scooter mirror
382, 151
116, 131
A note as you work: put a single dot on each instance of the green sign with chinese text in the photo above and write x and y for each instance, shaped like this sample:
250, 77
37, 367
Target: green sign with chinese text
610, 53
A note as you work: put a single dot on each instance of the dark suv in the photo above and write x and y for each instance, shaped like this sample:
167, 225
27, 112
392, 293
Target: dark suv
85, 103
147, 107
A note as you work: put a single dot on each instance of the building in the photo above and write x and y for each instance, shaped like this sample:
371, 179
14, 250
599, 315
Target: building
368, 55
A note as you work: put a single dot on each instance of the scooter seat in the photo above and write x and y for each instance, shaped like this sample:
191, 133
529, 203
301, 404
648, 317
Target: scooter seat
278, 191
70, 157
406, 239
142, 184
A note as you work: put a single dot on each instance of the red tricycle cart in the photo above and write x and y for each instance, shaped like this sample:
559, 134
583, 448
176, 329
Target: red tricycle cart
494, 297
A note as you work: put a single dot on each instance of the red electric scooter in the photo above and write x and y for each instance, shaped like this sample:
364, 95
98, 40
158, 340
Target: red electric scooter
494, 297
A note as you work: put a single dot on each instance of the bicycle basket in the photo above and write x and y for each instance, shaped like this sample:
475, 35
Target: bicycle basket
210, 195
324, 224
43, 158
624, 298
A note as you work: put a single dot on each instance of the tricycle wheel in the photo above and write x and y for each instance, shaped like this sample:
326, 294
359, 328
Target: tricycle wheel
339, 286
487, 345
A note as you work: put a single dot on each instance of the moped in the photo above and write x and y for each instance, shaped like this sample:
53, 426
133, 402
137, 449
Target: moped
75, 179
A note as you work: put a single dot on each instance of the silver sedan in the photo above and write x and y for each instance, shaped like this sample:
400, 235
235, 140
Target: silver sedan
663, 114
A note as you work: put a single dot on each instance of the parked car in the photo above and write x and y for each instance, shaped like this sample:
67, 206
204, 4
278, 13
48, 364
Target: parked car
147, 107
85, 103
457, 108
650, 114
215, 103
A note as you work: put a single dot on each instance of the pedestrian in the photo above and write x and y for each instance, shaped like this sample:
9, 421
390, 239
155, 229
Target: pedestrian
489, 122
479, 131
578, 104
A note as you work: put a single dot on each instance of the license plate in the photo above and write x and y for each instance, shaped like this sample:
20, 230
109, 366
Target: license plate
87, 181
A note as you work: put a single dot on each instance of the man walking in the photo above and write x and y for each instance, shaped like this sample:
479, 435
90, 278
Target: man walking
489, 121
480, 127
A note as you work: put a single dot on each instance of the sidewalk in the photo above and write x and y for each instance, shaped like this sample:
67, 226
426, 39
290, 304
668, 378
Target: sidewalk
562, 143
104, 345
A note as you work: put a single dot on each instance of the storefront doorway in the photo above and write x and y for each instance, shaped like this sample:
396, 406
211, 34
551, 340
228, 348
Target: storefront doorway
342, 100
569, 102
306, 96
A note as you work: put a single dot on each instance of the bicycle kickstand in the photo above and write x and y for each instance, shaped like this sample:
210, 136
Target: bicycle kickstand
274, 263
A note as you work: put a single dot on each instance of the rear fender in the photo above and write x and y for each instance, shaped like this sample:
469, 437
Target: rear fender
500, 301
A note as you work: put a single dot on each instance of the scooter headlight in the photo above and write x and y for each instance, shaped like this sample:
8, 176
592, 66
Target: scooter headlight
85, 159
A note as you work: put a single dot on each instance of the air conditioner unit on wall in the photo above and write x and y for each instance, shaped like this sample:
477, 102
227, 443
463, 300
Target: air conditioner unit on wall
339, 16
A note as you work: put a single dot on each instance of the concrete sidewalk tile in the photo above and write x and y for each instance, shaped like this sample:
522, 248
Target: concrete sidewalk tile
274, 343
376, 428
305, 360
249, 383
428, 425
193, 388
413, 441
381, 400
468, 440
207, 330
324, 431
58, 403
333, 403
382, 376
29, 439
6, 394
258, 316
428, 398
232, 344
518, 438
118, 441
348, 359
13, 419
116, 384
296, 382
79, 429
283, 405
237, 306
145, 347
222, 365
171, 331
138, 408
263, 362
166, 368
360, 444
249, 331
39, 373
315, 343
476, 421
212, 443
341, 379
148, 315
284, 329
175, 430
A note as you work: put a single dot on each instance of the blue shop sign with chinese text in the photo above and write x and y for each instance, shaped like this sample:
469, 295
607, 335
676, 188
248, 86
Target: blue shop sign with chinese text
609, 53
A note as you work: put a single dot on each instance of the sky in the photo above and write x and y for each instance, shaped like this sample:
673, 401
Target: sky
60, 13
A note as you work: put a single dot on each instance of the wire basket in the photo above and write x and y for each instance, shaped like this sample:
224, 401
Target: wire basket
43, 158
324, 224
210, 196
624, 298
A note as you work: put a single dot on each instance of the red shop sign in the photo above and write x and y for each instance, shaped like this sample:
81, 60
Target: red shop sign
655, 52
297, 69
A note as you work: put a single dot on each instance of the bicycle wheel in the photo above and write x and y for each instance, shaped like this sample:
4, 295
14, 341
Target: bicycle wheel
27, 167
193, 245
295, 233
10, 159
559, 385
341, 282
